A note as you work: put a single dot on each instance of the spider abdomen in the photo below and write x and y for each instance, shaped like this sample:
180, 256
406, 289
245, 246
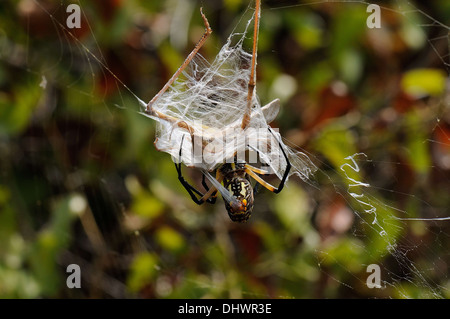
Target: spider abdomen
240, 208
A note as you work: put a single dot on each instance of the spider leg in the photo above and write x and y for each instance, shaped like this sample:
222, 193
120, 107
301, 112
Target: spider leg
214, 195
186, 62
260, 180
256, 188
191, 189
258, 170
253, 171
211, 194
149, 109
287, 169
204, 183
252, 81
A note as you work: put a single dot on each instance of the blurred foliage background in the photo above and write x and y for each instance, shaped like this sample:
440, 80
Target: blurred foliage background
81, 182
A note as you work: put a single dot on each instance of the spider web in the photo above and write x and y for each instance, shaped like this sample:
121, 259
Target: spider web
371, 223
210, 98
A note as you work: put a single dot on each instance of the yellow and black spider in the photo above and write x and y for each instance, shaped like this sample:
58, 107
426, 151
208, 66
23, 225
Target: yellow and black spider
237, 191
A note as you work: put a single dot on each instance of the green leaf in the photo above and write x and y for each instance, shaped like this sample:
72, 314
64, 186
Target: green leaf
142, 271
336, 142
7, 218
232, 5
146, 205
417, 144
50, 242
420, 82
171, 58
292, 205
170, 239
308, 31
347, 253
16, 111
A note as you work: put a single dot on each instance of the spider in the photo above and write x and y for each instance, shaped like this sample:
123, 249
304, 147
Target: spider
237, 190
